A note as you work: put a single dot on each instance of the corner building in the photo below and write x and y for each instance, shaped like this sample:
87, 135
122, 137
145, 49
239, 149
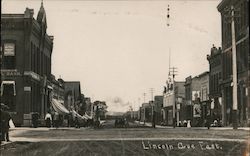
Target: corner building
241, 8
26, 64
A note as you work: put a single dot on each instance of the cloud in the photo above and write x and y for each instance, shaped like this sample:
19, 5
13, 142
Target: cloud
117, 104
197, 28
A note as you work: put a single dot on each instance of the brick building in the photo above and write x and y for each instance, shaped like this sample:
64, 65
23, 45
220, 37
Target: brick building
58, 89
173, 98
158, 104
72, 96
197, 102
145, 112
243, 62
215, 78
26, 64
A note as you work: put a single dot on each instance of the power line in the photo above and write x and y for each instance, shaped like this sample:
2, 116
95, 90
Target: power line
173, 72
144, 96
151, 90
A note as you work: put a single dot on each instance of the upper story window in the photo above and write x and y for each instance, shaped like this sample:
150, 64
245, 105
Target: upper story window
9, 56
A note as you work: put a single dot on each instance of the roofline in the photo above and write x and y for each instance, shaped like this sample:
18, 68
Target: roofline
222, 4
206, 72
12, 15
179, 81
72, 81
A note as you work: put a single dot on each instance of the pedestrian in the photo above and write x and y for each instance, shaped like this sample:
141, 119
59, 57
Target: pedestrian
208, 122
5, 118
185, 123
77, 123
48, 119
215, 123
56, 119
189, 124
35, 117
180, 124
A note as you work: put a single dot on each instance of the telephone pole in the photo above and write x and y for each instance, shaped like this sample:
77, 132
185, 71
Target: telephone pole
231, 16
144, 96
151, 90
234, 59
173, 73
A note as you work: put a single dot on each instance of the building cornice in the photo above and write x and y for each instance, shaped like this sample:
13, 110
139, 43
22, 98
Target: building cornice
222, 5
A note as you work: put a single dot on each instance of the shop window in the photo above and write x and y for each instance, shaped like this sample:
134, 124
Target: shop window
8, 92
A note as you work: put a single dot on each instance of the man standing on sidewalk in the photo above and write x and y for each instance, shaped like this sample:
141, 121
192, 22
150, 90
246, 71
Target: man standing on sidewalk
5, 118
48, 119
56, 120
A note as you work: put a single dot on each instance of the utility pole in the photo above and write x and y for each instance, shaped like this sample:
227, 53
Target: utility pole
144, 96
151, 90
231, 16
235, 97
172, 72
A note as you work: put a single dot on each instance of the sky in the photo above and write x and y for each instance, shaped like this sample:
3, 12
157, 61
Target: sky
118, 50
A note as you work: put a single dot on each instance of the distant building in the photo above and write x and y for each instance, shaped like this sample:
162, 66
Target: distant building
82, 105
72, 95
100, 110
145, 112
132, 115
242, 48
88, 106
197, 103
205, 102
58, 89
26, 51
170, 99
158, 104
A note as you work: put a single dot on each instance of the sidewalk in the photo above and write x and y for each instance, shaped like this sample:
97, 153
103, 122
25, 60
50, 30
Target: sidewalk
212, 128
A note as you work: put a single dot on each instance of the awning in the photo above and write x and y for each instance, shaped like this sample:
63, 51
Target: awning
50, 87
75, 114
8, 83
58, 107
86, 115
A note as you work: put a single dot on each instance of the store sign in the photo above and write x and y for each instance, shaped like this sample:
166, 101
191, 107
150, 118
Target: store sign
195, 95
178, 106
179, 100
9, 49
10, 73
168, 100
27, 88
197, 110
204, 94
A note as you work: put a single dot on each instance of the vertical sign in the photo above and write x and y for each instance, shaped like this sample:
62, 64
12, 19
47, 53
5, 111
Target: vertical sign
9, 49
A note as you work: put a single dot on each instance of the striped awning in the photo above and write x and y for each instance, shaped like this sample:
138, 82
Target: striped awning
75, 114
58, 107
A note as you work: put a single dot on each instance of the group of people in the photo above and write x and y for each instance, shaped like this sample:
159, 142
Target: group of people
55, 120
185, 123
49, 120
5, 119
121, 122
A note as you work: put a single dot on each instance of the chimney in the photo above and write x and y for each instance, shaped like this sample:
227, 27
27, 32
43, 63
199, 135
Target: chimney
28, 13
